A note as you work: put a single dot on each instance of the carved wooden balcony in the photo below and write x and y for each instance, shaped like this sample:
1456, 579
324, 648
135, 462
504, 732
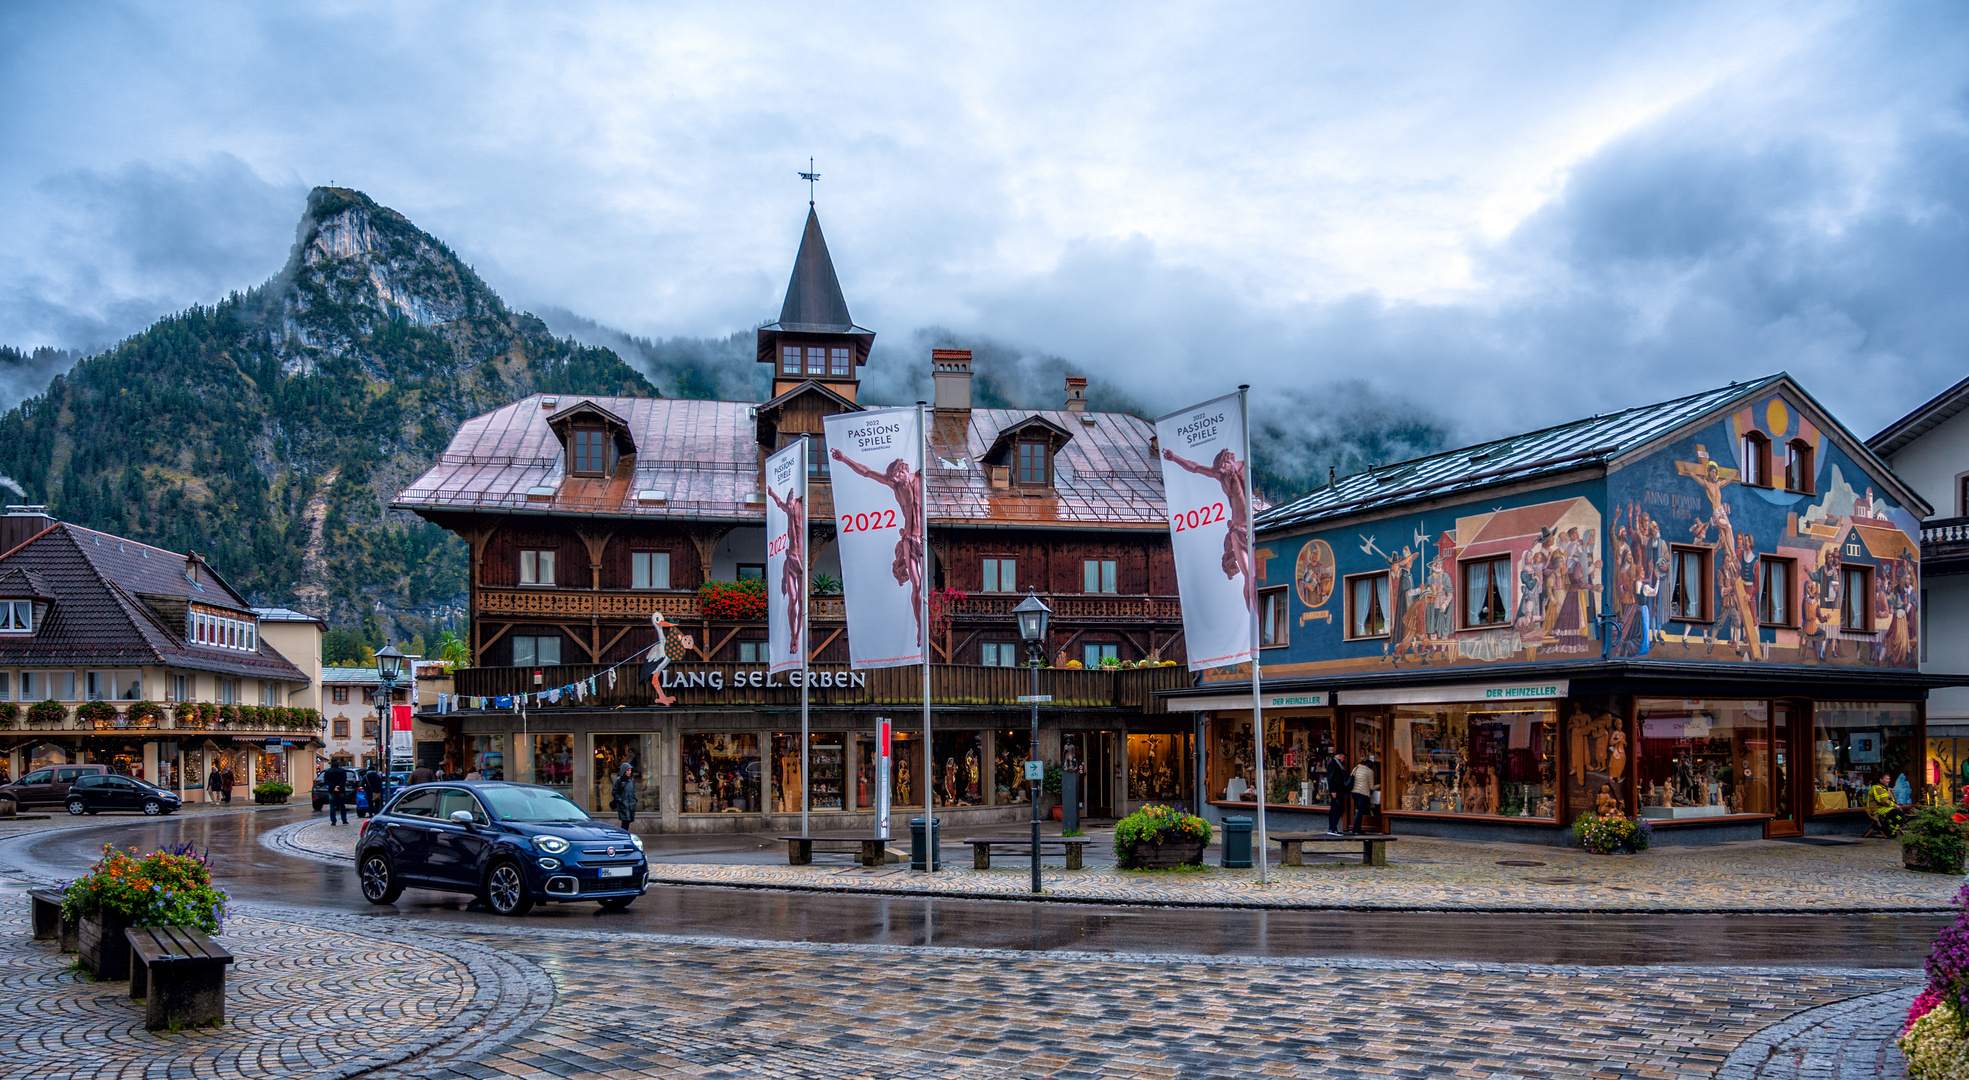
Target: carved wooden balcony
635, 605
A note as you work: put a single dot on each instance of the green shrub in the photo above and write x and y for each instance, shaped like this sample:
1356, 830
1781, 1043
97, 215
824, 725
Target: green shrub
273, 787
1156, 824
1936, 833
1605, 835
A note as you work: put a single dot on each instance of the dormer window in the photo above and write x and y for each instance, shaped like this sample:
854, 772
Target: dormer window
222, 631
1035, 464
16, 617
590, 452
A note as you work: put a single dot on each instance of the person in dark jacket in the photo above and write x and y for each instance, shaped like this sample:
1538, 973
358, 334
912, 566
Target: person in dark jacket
422, 774
622, 796
225, 786
337, 779
1339, 782
213, 783
372, 786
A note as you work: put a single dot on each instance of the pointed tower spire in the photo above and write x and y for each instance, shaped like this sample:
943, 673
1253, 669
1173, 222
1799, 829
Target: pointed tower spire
815, 339
814, 303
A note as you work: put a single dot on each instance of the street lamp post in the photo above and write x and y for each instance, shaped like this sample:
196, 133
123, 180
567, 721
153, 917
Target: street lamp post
389, 668
1032, 613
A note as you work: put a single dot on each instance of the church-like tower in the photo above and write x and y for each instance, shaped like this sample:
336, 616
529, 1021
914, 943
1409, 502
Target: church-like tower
815, 340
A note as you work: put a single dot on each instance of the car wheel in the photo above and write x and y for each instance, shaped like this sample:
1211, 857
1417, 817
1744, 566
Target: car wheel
505, 889
75, 807
617, 903
379, 882
152, 808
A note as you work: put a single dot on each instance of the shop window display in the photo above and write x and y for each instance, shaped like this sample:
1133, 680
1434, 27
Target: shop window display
826, 761
959, 763
1946, 771
1159, 768
905, 769
1599, 758
1296, 752
271, 766
1010, 752
721, 773
612, 752
553, 761
1704, 758
1856, 744
1473, 759
486, 757
1230, 760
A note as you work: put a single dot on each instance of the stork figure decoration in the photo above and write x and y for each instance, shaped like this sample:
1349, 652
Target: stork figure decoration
810, 176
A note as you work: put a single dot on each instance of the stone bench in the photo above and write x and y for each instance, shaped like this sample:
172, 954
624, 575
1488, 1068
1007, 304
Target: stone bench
1374, 846
981, 848
868, 849
180, 974
47, 918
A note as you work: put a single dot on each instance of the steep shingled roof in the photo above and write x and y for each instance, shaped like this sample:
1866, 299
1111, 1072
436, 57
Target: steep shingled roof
1595, 440
99, 616
705, 457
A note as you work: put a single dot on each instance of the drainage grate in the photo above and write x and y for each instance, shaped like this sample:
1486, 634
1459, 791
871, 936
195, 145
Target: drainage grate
1518, 862
1563, 881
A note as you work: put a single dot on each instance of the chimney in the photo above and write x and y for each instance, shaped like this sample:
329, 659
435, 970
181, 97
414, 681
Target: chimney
951, 369
1076, 394
22, 523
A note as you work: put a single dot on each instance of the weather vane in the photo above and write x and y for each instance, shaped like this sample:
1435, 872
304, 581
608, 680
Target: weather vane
810, 176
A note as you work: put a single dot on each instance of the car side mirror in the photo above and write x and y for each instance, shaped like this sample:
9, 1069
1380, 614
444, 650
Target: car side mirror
463, 817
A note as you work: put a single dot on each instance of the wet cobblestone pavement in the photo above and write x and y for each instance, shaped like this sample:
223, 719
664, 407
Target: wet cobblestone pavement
1863, 876
389, 994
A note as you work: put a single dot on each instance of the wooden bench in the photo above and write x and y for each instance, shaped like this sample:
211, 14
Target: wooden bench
1374, 846
180, 974
47, 918
869, 850
981, 848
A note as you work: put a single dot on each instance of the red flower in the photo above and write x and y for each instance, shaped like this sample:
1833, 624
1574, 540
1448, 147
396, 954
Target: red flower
1959, 819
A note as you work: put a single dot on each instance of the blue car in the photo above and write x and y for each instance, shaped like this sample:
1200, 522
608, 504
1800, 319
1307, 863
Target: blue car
511, 845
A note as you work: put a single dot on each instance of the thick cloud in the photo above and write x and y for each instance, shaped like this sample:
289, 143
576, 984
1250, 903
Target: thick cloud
1436, 222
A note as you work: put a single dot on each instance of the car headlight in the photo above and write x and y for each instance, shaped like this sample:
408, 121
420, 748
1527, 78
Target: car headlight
553, 845
636, 840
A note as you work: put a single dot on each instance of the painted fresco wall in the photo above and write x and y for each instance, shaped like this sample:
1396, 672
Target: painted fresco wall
1580, 549
1692, 493
1554, 539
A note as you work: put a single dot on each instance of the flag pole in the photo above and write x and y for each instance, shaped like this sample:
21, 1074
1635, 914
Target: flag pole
928, 781
806, 625
1257, 641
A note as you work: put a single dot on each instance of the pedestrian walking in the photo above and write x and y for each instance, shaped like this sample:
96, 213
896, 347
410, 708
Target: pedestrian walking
622, 796
422, 774
1338, 782
372, 790
1363, 792
225, 786
337, 779
212, 783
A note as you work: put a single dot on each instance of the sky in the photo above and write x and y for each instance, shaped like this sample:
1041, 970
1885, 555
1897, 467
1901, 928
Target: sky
1496, 216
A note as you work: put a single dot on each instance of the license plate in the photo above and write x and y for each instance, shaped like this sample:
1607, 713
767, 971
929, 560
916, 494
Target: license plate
615, 871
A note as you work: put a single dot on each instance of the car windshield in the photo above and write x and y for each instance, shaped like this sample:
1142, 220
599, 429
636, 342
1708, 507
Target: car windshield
532, 804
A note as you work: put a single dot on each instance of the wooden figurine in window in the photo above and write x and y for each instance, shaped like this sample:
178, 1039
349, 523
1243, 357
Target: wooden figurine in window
1605, 804
1616, 753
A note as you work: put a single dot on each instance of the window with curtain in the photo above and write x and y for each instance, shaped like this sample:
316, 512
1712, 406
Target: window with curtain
1367, 606
1798, 467
1000, 575
1688, 595
1097, 576
1271, 618
1486, 585
649, 570
1856, 598
1000, 654
536, 567
1094, 653
1774, 591
1756, 460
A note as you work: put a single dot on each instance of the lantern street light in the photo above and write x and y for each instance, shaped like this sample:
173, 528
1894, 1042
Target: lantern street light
389, 668
1032, 614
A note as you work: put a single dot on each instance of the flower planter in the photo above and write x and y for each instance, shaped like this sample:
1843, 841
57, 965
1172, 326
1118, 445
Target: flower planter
101, 946
271, 800
1163, 856
1914, 859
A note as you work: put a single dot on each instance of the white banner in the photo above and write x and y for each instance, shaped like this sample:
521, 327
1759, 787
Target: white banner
876, 469
1203, 477
786, 556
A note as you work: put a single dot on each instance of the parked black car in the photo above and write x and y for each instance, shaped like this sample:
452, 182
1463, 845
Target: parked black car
511, 845
98, 792
48, 785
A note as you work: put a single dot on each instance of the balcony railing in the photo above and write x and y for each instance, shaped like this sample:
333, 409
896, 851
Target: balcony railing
638, 605
120, 717
1945, 543
951, 686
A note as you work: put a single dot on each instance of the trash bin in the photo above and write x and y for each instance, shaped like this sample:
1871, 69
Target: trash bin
918, 844
1237, 843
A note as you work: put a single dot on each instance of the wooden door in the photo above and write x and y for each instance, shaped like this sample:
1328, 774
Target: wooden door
1785, 775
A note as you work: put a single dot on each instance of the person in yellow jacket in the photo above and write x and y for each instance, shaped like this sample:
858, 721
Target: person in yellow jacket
1881, 807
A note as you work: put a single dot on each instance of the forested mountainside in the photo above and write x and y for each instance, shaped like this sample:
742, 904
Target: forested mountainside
269, 431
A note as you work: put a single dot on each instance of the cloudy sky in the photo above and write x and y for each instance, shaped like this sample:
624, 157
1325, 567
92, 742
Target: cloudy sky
1506, 215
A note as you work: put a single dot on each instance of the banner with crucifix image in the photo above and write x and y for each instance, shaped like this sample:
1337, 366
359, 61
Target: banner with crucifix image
786, 556
1203, 478
876, 471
